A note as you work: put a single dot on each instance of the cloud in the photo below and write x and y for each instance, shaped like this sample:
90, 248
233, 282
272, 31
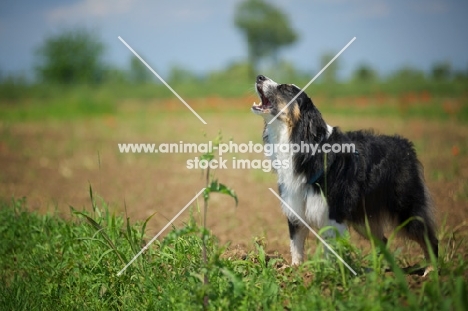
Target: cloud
89, 8
430, 6
369, 9
149, 10
358, 9
375, 9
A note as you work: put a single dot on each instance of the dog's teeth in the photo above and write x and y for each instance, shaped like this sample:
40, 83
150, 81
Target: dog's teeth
255, 104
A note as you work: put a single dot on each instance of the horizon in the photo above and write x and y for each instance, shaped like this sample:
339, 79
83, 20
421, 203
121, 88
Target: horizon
200, 36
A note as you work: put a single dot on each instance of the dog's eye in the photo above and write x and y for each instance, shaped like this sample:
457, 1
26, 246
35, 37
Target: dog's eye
287, 87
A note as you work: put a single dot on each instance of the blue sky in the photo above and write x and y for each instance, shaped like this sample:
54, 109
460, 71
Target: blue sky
200, 34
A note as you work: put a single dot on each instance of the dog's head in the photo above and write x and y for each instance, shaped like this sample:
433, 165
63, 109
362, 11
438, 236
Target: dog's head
275, 97
303, 119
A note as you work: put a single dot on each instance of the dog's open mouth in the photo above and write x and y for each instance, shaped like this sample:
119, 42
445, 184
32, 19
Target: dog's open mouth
264, 106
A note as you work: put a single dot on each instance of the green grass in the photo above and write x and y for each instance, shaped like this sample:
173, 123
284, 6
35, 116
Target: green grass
48, 263
44, 101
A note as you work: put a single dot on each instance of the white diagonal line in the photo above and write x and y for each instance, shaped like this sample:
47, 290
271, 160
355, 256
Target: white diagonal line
313, 79
312, 230
162, 80
162, 230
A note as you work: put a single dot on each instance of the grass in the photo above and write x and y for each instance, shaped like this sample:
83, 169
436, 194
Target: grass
48, 263
425, 98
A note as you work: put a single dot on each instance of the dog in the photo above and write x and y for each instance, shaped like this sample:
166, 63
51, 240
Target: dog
381, 182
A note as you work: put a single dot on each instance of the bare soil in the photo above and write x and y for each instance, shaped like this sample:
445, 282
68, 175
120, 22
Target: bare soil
52, 163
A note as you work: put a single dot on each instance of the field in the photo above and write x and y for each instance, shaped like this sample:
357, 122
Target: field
54, 155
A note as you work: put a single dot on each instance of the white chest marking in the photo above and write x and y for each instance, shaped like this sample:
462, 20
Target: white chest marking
295, 191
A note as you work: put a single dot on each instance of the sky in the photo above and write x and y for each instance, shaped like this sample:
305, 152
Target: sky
200, 35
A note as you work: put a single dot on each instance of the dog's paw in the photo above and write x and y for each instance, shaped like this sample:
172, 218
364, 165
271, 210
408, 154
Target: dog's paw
297, 260
284, 267
368, 270
428, 270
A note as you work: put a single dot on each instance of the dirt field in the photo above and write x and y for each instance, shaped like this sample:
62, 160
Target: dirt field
52, 163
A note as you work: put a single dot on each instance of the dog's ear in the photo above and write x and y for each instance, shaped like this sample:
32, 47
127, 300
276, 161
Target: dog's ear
310, 129
310, 125
304, 102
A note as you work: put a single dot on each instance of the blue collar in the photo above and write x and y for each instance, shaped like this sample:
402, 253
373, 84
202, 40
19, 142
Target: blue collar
315, 177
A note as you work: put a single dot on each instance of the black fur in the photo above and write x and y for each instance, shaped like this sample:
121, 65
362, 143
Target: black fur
382, 180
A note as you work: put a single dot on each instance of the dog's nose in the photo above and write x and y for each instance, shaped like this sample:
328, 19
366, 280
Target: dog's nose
261, 78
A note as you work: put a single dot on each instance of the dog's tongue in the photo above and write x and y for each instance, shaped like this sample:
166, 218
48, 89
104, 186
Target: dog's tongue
265, 101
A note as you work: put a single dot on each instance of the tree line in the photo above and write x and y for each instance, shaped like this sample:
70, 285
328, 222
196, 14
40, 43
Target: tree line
77, 56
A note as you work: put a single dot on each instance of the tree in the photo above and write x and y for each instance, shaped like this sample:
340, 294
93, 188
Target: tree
266, 29
441, 71
460, 75
72, 56
181, 75
139, 73
364, 73
407, 75
330, 75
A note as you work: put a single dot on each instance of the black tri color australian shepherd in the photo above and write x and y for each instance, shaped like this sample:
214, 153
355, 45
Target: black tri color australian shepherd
380, 179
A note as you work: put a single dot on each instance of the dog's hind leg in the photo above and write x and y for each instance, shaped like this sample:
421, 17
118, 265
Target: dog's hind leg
297, 233
376, 232
418, 230
422, 228
332, 233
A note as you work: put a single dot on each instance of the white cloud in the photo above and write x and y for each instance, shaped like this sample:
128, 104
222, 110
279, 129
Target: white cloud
378, 9
371, 9
430, 6
358, 9
89, 8
153, 12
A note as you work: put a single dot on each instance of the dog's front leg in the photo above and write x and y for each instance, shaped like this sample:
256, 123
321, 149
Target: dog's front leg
297, 233
339, 228
293, 203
